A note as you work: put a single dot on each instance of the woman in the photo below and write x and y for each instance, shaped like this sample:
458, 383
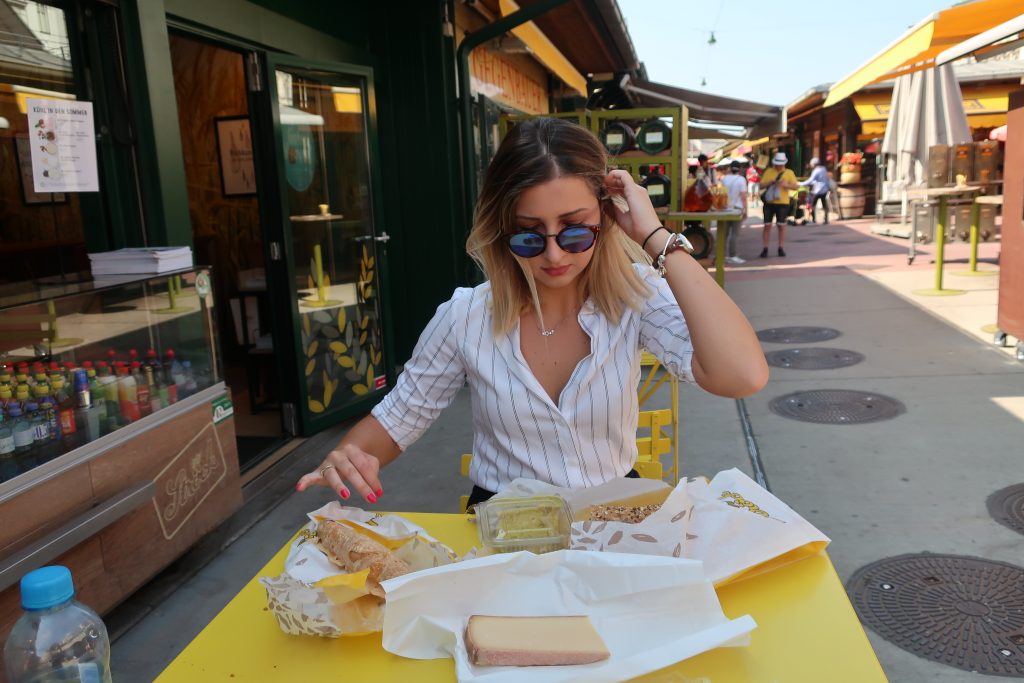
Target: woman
550, 344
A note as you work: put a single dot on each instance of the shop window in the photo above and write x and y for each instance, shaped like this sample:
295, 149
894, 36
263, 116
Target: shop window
41, 234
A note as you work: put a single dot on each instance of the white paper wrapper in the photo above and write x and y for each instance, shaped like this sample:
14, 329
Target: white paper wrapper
309, 598
735, 527
651, 611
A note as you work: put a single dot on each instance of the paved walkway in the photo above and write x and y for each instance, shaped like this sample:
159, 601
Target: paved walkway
911, 484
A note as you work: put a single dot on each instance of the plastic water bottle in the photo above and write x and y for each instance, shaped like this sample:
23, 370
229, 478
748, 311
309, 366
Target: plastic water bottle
58, 638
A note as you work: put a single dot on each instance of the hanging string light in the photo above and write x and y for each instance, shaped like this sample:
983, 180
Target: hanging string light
711, 40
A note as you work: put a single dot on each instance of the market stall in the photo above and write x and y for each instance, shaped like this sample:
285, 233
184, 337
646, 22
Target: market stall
123, 439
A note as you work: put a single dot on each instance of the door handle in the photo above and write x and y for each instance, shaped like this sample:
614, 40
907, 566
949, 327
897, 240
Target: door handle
383, 237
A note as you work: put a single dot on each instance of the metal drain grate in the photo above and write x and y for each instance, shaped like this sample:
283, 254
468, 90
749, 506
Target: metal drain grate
1007, 507
797, 335
813, 358
961, 611
836, 407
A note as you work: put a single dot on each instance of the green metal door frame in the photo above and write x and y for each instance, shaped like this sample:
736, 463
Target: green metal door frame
161, 163
282, 268
469, 42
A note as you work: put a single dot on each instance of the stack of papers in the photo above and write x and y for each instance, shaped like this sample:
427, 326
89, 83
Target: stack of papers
141, 260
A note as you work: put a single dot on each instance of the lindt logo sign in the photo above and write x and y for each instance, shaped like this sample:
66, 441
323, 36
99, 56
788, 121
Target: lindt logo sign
188, 480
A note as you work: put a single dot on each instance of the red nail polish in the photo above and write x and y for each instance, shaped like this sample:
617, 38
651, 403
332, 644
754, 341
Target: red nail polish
298, 487
372, 498
343, 493
380, 492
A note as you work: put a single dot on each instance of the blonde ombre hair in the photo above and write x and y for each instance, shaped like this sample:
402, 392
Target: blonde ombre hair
532, 153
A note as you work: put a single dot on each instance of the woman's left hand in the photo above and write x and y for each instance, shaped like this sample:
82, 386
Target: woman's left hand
641, 217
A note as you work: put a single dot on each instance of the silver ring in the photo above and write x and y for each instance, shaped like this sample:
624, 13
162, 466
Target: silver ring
325, 468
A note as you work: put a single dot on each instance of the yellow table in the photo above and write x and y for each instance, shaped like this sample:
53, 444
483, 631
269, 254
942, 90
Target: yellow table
943, 193
724, 218
807, 631
972, 262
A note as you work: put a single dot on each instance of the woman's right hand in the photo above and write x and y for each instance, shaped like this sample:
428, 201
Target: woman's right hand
347, 463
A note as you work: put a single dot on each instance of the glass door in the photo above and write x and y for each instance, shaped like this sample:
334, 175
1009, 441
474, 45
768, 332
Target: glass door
332, 249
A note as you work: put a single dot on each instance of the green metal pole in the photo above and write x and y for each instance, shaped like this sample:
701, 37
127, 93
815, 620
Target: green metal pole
973, 260
470, 41
940, 242
723, 235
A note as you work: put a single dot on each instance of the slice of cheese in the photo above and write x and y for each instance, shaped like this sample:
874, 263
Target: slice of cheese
533, 641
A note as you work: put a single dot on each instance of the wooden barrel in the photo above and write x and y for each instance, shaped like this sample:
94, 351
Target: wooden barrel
618, 137
703, 241
851, 201
654, 136
848, 177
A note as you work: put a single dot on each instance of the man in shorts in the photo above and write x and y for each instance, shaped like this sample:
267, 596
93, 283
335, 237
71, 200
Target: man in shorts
776, 182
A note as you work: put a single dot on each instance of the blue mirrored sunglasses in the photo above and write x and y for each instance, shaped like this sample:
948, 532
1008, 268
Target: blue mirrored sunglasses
574, 239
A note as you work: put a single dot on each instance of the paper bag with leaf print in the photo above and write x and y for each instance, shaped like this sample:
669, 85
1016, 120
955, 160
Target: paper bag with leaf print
737, 528
315, 596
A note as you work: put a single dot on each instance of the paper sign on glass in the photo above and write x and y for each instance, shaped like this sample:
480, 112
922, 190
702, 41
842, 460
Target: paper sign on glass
62, 138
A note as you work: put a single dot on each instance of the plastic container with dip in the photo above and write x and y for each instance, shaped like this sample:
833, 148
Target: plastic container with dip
539, 524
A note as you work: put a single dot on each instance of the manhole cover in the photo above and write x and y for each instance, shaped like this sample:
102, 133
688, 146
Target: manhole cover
1007, 507
962, 611
813, 358
836, 407
797, 335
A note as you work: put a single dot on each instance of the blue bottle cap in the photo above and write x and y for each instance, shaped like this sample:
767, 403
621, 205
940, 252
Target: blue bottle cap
46, 587
13, 410
31, 407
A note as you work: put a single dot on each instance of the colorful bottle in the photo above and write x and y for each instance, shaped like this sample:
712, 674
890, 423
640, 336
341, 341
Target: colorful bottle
40, 423
108, 390
127, 396
64, 403
6, 436
87, 415
155, 402
96, 395
49, 408
22, 395
22, 429
190, 379
141, 389
174, 376
57, 638
6, 396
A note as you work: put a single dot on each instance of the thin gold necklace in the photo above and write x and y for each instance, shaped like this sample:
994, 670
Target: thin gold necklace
551, 331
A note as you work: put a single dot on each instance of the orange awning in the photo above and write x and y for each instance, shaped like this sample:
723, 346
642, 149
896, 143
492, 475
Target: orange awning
918, 47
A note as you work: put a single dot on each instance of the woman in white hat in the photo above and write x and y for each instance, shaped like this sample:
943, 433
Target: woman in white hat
776, 183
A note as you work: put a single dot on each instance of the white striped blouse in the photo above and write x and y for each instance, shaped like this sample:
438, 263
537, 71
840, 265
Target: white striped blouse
587, 438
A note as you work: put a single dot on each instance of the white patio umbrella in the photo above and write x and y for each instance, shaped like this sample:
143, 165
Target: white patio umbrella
927, 109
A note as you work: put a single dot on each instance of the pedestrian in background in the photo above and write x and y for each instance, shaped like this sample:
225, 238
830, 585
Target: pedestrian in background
777, 181
753, 181
737, 187
819, 184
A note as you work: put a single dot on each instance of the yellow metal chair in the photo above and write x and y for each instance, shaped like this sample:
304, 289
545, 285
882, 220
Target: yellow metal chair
464, 471
654, 376
652, 442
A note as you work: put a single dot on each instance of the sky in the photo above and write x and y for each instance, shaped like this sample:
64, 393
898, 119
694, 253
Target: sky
770, 52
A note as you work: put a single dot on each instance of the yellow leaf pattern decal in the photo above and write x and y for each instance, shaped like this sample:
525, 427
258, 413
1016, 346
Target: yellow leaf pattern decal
341, 320
309, 366
328, 392
346, 361
311, 349
362, 338
369, 376
338, 347
364, 322
360, 389
305, 325
315, 406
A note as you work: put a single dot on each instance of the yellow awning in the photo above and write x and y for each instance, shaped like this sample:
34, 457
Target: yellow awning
873, 106
545, 51
917, 48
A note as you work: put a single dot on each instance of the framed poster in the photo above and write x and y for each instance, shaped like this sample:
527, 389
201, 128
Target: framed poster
234, 148
23, 155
